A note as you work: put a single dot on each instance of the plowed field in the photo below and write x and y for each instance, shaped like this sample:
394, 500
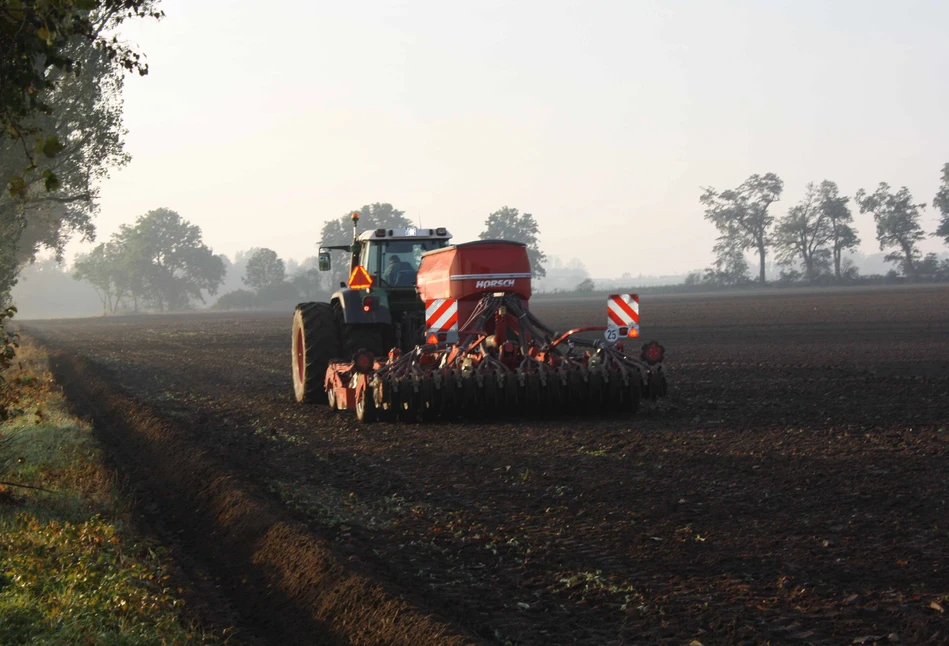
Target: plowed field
792, 489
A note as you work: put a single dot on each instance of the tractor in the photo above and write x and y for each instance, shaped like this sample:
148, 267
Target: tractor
377, 309
445, 330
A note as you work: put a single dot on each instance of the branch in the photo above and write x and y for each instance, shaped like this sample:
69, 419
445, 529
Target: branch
23, 486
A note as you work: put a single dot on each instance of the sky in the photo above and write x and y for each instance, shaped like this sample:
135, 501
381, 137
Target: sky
258, 121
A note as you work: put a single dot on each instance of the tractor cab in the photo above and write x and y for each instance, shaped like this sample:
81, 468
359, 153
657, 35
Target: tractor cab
378, 306
392, 256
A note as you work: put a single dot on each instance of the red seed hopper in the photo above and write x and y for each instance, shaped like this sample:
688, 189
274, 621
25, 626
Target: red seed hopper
485, 353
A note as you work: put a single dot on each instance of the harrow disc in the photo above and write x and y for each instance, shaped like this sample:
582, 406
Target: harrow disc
535, 402
407, 410
470, 397
426, 404
616, 391
511, 393
633, 393
555, 393
490, 391
448, 394
366, 405
597, 389
577, 392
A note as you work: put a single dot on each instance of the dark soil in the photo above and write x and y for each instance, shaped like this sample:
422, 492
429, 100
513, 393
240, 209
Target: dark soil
792, 489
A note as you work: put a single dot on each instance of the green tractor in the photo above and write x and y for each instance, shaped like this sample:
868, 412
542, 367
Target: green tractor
378, 309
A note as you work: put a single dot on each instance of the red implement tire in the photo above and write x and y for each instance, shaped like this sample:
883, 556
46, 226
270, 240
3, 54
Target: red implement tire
314, 341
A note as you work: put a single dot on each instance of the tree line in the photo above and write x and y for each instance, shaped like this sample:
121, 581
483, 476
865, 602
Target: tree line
815, 233
160, 262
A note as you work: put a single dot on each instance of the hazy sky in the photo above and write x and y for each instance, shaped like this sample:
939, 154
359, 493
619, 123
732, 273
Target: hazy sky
260, 120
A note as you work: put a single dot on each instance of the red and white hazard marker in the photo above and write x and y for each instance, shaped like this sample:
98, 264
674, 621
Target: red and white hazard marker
441, 320
622, 316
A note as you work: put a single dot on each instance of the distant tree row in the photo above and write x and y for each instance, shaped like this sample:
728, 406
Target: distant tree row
160, 262
504, 224
815, 233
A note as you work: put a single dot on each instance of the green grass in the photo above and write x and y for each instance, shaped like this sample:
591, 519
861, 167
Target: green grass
71, 569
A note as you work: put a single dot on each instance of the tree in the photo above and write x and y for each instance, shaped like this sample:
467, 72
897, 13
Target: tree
731, 267
371, 216
102, 268
741, 215
510, 224
586, 285
897, 220
165, 255
86, 117
264, 269
941, 202
37, 50
843, 237
802, 235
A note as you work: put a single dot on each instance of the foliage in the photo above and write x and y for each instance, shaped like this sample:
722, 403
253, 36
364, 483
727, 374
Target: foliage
834, 208
509, 224
160, 261
9, 394
103, 269
586, 285
803, 234
264, 269
309, 284
731, 267
897, 220
39, 41
741, 215
941, 202
371, 216
61, 73
239, 299
930, 269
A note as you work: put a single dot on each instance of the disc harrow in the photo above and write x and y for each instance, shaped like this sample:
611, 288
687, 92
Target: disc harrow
505, 363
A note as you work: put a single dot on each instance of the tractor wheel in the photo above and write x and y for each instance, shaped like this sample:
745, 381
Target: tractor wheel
315, 340
366, 405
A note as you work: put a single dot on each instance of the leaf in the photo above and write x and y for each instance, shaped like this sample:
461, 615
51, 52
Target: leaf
935, 605
87, 5
52, 182
43, 34
17, 186
51, 147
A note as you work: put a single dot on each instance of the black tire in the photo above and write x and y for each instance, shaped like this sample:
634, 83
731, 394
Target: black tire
314, 341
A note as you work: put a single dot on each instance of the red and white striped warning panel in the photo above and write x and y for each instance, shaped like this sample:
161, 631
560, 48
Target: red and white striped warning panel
622, 316
441, 320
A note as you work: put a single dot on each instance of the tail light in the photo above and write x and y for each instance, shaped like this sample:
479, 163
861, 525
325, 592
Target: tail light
653, 353
367, 303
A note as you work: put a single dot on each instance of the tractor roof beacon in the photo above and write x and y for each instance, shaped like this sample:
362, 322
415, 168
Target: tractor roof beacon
378, 308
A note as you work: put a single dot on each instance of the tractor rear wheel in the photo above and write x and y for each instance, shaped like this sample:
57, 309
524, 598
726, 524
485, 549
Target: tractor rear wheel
315, 340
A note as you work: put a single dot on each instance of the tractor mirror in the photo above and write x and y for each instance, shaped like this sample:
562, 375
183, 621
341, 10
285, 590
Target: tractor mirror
324, 261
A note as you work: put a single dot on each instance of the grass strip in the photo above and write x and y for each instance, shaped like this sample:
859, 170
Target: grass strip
72, 571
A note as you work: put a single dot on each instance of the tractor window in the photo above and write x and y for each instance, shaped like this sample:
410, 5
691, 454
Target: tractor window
399, 259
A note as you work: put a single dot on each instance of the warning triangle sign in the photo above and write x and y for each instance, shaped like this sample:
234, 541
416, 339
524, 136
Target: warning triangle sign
360, 278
